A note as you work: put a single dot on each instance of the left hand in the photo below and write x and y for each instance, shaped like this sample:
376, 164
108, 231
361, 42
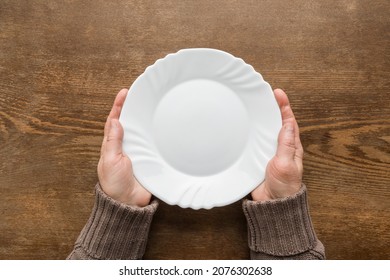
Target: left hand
115, 170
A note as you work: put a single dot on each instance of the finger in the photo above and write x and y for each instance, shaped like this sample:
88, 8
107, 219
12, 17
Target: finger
298, 150
298, 143
287, 116
106, 129
115, 112
118, 104
286, 142
284, 105
113, 144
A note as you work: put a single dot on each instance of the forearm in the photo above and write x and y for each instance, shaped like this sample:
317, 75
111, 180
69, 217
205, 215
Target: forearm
114, 230
282, 229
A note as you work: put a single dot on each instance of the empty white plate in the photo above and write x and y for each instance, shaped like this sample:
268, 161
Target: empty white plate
200, 126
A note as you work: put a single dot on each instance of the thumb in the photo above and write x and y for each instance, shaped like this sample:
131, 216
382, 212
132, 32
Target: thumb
114, 139
286, 142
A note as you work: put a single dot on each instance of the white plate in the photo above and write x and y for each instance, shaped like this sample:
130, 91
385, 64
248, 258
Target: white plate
200, 126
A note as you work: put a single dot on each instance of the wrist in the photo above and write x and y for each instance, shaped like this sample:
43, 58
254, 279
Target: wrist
265, 193
132, 194
260, 194
139, 198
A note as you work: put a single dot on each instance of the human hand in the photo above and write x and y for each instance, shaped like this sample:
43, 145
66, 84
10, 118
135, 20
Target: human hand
115, 170
283, 176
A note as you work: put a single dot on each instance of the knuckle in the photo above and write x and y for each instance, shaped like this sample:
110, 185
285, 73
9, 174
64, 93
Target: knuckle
283, 166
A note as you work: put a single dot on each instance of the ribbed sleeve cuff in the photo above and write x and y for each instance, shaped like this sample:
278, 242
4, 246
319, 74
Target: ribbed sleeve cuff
115, 230
280, 227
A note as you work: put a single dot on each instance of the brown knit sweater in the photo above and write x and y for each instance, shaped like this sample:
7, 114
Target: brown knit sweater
278, 229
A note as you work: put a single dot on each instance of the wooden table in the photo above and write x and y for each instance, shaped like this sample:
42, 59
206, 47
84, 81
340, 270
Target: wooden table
62, 63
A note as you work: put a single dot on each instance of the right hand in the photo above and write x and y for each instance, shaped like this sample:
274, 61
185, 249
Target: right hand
283, 175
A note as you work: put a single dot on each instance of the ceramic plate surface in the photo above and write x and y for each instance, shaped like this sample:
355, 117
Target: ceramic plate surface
200, 126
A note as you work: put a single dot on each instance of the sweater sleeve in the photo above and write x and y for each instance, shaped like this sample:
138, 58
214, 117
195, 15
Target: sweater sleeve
282, 229
114, 230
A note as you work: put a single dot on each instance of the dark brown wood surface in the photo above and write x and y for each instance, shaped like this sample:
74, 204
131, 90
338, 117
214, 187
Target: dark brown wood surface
62, 63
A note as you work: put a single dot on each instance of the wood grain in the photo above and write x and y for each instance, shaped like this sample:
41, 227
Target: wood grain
62, 62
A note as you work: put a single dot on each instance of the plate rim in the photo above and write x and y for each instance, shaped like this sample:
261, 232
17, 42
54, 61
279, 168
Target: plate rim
190, 204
